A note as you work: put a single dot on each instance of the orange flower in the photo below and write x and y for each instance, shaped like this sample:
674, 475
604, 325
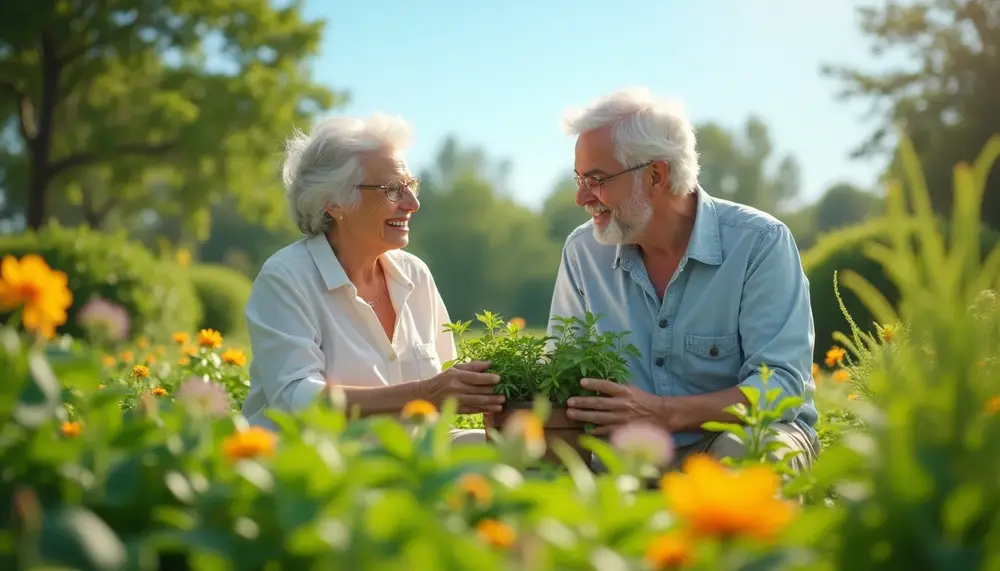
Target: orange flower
518, 322
42, 292
834, 356
715, 500
496, 533
234, 357
149, 359
670, 551
184, 361
109, 361
181, 338
127, 356
419, 411
159, 392
841, 375
815, 371
475, 487
190, 350
210, 338
140, 371
993, 405
250, 443
525, 425
142, 343
70, 429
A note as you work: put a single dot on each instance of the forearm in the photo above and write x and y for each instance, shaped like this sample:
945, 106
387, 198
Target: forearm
368, 401
687, 413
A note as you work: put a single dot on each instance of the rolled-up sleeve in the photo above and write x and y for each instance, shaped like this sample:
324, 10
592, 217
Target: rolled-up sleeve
776, 321
287, 361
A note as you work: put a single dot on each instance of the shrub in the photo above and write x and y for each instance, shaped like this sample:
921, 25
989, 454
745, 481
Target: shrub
223, 292
158, 296
843, 250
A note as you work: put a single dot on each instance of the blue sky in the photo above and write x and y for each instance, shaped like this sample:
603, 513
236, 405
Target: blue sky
500, 74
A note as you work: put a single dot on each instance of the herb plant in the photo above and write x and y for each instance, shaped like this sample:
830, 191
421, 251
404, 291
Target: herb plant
581, 352
527, 367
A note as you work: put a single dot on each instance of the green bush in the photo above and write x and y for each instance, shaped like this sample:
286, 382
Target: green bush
223, 292
158, 297
844, 250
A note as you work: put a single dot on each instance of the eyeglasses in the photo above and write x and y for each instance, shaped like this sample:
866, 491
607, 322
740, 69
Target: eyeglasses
593, 182
394, 190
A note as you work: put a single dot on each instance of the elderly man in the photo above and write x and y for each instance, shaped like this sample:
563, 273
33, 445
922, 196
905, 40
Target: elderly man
710, 289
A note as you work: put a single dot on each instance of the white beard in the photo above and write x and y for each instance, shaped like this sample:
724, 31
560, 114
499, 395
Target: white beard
627, 221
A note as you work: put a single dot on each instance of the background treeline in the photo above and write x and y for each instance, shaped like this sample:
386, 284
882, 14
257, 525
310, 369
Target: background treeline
134, 154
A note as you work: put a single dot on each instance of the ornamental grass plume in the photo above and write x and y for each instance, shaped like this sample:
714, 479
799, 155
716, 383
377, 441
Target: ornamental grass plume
714, 500
41, 292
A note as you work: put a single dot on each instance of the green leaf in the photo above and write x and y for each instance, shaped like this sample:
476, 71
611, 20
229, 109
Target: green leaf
75, 537
736, 430
393, 437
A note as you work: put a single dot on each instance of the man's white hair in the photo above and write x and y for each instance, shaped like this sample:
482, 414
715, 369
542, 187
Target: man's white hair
322, 169
643, 128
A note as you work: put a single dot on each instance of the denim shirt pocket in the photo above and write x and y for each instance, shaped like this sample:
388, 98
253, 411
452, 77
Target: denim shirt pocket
711, 362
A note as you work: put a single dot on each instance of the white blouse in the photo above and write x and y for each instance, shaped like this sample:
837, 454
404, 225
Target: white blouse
308, 327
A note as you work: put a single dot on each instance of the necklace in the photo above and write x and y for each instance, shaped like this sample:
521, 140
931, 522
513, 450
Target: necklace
372, 303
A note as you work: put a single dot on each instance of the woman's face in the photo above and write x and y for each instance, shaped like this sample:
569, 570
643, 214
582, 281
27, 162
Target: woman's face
379, 224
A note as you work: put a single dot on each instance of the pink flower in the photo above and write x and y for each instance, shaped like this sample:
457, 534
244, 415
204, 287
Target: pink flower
101, 317
645, 442
204, 397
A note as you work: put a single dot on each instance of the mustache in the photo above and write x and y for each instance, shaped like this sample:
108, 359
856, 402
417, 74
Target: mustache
595, 208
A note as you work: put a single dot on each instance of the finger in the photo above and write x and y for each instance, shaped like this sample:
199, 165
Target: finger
482, 379
475, 389
604, 387
474, 366
596, 403
595, 416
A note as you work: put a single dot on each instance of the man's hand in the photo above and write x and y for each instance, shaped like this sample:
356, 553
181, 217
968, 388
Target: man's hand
616, 405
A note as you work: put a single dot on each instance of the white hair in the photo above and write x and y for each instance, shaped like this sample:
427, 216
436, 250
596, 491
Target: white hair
322, 169
643, 128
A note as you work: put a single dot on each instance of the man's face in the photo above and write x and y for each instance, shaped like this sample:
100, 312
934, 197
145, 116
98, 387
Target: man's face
620, 205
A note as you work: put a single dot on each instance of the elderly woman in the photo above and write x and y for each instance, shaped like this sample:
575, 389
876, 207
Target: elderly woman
345, 306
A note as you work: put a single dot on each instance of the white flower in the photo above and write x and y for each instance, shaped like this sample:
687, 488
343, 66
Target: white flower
203, 396
645, 442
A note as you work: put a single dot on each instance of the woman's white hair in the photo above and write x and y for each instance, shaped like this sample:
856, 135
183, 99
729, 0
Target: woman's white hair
322, 169
643, 128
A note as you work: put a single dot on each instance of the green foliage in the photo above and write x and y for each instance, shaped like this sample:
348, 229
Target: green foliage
162, 106
158, 296
845, 250
581, 352
516, 357
527, 368
223, 293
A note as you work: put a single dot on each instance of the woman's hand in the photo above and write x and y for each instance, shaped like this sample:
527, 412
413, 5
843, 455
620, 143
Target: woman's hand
468, 384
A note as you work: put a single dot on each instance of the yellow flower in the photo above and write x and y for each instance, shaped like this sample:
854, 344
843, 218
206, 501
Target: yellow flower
815, 371
841, 375
518, 322
853, 396
715, 500
149, 359
41, 291
834, 356
183, 257
190, 350
181, 338
887, 333
993, 405
127, 356
70, 429
142, 343
109, 361
234, 357
419, 411
670, 550
159, 392
184, 361
496, 533
250, 443
209, 338
140, 371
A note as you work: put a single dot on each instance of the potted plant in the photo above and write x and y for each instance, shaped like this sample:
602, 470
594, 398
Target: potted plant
551, 367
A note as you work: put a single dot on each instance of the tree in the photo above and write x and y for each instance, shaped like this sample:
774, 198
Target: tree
121, 105
738, 166
560, 213
845, 205
945, 100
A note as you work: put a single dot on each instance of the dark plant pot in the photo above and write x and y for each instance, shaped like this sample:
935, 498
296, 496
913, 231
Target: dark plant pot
557, 427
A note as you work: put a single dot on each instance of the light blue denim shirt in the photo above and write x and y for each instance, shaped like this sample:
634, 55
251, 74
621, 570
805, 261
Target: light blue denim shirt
739, 299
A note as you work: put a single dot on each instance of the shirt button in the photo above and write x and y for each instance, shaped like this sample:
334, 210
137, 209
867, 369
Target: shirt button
392, 357
714, 351
663, 324
659, 362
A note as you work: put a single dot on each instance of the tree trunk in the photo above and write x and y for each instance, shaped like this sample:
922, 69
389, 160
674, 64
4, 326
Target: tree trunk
41, 146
